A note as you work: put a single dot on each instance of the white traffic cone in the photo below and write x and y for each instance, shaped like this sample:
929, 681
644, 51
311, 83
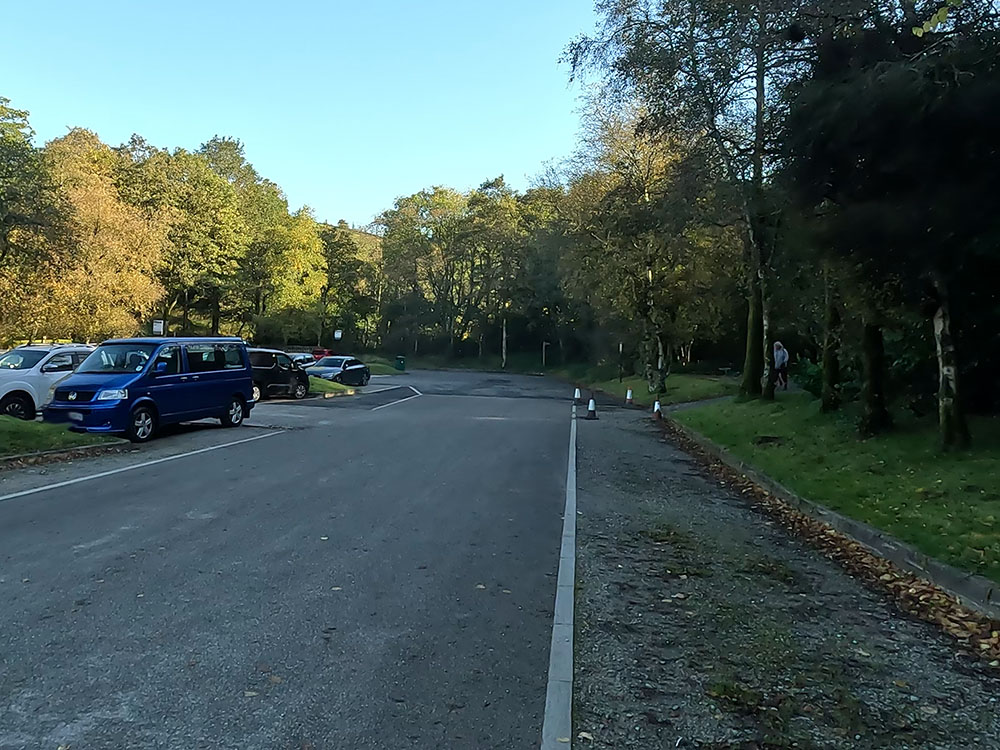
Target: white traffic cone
591, 410
576, 396
657, 412
628, 397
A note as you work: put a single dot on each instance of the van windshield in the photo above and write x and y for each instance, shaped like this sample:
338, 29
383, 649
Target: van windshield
117, 358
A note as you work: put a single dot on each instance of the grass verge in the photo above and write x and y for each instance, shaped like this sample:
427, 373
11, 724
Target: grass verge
681, 388
319, 385
18, 436
381, 366
946, 505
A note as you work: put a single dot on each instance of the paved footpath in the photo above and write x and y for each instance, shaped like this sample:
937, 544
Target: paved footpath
362, 579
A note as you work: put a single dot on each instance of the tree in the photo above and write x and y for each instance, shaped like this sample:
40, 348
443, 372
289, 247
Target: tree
898, 199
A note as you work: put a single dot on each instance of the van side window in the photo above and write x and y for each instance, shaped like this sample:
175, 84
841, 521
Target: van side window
171, 355
205, 358
262, 359
234, 357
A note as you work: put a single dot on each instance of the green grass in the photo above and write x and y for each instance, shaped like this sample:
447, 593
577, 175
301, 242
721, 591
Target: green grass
319, 385
381, 366
681, 388
18, 436
946, 505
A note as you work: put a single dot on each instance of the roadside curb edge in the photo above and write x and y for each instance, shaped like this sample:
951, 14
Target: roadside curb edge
974, 591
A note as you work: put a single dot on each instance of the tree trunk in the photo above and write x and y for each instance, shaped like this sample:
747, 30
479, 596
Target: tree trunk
216, 313
185, 310
951, 419
830, 396
480, 346
875, 418
503, 346
770, 371
753, 365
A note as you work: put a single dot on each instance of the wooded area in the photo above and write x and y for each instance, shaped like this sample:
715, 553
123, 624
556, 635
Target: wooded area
818, 174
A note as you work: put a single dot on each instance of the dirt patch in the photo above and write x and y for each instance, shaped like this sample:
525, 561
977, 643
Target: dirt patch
702, 623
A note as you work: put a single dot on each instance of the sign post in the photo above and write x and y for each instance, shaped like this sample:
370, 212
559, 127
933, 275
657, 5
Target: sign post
158, 327
338, 335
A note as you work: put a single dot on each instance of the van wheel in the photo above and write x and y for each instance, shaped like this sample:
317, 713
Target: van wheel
141, 424
17, 406
235, 414
301, 390
258, 393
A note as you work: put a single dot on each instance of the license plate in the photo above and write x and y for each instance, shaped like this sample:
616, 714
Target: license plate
75, 416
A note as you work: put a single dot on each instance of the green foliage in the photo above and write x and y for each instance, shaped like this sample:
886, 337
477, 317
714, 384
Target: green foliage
18, 436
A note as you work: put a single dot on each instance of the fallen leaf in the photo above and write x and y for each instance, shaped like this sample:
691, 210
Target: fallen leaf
506, 591
586, 736
680, 596
324, 538
929, 710
336, 588
900, 683
249, 693
562, 739
480, 586
25, 580
139, 596
275, 680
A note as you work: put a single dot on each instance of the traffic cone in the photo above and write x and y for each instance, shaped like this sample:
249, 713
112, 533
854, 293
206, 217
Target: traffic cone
628, 397
657, 412
591, 410
577, 396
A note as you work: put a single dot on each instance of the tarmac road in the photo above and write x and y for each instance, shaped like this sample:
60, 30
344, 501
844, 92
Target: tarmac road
344, 577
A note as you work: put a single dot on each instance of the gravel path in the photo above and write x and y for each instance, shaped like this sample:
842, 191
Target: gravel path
701, 624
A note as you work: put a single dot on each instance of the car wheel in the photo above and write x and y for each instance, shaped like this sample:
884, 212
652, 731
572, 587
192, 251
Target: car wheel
258, 392
17, 406
301, 390
234, 414
141, 424
365, 378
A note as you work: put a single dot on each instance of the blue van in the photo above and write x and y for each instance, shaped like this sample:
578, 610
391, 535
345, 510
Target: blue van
135, 386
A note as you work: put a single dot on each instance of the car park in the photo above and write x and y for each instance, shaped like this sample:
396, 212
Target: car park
275, 373
136, 386
27, 373
341, 369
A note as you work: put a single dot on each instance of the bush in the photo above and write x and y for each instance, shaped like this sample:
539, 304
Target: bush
808, 375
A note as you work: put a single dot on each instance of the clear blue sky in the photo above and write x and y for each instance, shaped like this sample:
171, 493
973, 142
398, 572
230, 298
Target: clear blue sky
346, 104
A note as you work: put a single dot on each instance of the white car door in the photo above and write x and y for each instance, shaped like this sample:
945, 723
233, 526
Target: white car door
54, 369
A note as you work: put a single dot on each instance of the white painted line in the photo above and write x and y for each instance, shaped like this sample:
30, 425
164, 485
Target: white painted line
144, 464
557, 725
379, 390
416, 394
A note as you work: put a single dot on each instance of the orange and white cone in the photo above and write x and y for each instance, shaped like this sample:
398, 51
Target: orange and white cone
628, 397
577, 396
657, 411
591, 410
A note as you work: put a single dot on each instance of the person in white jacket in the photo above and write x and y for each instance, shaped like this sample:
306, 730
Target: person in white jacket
781, 364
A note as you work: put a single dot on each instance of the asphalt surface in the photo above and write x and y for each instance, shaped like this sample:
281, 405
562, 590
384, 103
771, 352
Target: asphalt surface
355, 577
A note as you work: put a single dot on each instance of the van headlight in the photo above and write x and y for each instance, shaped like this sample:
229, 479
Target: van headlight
113, 394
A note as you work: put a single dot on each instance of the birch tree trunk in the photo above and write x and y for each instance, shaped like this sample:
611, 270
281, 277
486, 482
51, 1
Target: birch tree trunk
952, 424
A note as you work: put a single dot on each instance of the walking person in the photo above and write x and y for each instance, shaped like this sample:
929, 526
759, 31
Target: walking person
781, 364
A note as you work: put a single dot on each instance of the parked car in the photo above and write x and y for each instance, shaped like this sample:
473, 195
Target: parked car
136, 386
346, 370
275, 372
302, 359
28, 372
320, 353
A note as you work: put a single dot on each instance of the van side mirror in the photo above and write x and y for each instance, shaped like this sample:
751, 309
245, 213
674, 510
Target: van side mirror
160, 368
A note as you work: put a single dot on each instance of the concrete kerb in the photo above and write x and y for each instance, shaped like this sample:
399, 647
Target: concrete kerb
974, 591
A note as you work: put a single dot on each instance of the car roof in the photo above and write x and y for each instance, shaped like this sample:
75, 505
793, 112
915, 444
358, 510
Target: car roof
50, 347
156, 340
269, 351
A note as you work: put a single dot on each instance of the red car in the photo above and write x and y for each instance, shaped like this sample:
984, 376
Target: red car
320, 353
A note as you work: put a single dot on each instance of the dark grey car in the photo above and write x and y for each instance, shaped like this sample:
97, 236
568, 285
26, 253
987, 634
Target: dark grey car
341, 369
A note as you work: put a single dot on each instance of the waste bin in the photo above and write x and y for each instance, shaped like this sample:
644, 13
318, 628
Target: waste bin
400, 363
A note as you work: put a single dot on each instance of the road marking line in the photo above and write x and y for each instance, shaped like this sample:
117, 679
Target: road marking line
153, 462
557, 724
416, 394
